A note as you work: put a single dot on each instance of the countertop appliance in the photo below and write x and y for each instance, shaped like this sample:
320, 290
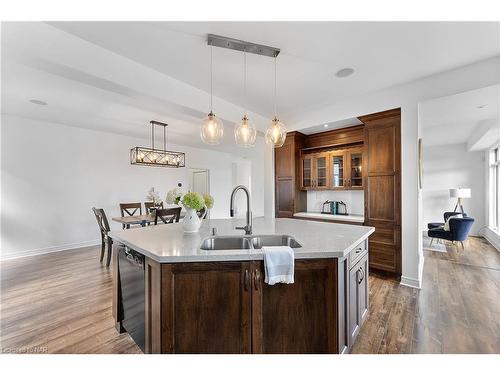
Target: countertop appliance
334, 208
132, 290
326, 209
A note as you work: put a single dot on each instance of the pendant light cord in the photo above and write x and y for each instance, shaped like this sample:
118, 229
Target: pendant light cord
164, 139
245, 81
211, 77
275, 85
152, 135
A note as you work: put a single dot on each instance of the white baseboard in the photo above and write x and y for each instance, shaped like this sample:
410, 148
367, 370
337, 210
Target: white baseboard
492, 237
51, 249
411, 282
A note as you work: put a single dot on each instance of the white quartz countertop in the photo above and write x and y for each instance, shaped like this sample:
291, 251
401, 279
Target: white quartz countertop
169, 244
319, 215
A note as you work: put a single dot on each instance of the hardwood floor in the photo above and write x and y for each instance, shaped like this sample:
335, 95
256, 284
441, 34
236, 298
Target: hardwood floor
61, 303
456, 311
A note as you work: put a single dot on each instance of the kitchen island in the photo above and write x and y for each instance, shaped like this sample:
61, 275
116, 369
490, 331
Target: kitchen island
206, 294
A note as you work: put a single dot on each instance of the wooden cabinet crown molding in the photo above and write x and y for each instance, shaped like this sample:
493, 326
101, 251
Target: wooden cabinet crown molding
396, 112
335, 138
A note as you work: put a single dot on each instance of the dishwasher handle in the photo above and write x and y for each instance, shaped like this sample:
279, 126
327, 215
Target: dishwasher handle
133, 257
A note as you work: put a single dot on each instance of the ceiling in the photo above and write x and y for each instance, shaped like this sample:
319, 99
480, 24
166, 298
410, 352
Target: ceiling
456, 118
116, 76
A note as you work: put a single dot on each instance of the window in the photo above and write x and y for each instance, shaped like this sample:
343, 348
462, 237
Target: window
494, 188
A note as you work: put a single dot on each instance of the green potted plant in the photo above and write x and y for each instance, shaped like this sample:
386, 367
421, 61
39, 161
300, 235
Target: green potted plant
193, 203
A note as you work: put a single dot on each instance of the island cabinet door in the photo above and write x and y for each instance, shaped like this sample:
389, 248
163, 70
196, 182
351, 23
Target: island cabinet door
358, 297
206, 307
299, 317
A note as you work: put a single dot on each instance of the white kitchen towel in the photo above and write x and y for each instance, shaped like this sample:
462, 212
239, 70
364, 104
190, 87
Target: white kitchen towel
279, 263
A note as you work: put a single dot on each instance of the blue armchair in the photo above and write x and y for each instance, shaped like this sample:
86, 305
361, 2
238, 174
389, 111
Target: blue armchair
459, 230
446, 215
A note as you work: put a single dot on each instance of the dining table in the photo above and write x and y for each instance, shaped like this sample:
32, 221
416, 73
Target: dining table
141, 220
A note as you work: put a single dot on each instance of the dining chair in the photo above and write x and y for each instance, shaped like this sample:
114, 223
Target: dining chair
149, 205
102, 221
130, 209
168, 215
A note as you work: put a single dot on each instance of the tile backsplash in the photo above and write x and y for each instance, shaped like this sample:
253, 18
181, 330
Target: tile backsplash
354, 199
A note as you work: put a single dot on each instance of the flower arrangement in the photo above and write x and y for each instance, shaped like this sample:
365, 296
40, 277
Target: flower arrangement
194, 203
174, 196
191, 199
153, 196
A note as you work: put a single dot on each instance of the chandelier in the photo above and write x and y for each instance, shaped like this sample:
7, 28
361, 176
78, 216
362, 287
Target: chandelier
245, 132
157, 157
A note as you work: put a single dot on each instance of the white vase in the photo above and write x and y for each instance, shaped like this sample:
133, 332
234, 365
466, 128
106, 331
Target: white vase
191, 222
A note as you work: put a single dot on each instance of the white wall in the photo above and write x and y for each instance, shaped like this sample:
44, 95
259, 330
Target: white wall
53, 174
451, 166
354, 199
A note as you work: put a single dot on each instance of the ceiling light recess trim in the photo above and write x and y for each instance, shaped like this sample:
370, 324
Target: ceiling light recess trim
156, 157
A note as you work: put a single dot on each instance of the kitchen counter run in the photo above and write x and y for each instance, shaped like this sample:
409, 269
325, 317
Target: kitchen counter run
318, 215
169, 243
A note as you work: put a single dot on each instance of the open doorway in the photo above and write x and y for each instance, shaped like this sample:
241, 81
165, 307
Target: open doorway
457, 133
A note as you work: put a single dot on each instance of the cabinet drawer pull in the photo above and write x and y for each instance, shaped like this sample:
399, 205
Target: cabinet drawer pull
247, 281
256, 279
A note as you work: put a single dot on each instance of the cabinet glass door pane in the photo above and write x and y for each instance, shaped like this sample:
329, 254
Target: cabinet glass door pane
321, 171
337, 171
356, 165
306, 172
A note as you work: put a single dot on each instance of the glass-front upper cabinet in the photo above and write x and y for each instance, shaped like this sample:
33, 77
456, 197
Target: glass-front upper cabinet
306, 172
356, 165
321, 169
337, 165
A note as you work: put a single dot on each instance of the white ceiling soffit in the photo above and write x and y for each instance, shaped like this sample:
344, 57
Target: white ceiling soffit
485, 136
331, 126
383, 54
459, 118
116, 76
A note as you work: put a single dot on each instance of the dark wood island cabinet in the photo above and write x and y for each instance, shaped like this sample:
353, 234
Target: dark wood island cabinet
225, 307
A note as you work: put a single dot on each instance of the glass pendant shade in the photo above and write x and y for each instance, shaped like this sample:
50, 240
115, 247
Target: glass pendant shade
276, 133
212, 130
245, 133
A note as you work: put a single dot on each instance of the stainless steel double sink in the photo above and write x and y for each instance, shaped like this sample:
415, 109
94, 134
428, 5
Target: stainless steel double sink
248, 242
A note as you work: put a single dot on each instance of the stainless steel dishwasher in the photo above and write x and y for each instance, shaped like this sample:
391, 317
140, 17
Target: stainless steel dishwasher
131, 264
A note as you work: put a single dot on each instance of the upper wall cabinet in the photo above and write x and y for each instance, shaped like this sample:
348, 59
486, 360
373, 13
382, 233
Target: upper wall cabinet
315, 171
333, 170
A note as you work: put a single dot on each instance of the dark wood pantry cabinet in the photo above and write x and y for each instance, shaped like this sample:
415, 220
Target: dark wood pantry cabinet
289, 198
383, 188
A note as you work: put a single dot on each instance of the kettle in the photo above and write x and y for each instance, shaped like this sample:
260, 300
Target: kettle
338, 208
326, 207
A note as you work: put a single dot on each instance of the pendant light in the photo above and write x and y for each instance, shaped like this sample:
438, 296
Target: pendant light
245, 132
276, 133
156, 157
212, 128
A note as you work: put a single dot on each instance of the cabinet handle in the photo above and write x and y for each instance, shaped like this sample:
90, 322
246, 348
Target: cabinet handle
362, 277
247, 280
256, 279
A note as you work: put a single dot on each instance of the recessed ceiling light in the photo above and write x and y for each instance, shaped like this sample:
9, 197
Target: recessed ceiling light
346, 72
481, 106
39, 102
326, 125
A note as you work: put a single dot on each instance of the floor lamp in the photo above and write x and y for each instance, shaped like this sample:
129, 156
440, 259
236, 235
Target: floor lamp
459, 193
